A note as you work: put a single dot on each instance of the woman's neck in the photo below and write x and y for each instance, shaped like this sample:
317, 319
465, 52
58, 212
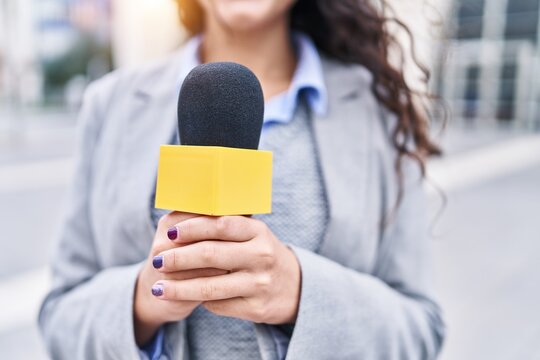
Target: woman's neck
268, 52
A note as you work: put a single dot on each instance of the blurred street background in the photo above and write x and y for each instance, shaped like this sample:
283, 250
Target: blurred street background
486, 247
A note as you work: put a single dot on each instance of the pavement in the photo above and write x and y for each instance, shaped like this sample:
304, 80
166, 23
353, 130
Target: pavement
486, 246
487, 264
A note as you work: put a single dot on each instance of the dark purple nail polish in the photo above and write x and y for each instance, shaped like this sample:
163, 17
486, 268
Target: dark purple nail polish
157, 261
157, 290
172, 233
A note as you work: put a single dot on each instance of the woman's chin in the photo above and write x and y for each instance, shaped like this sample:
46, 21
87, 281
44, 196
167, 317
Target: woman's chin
245, 15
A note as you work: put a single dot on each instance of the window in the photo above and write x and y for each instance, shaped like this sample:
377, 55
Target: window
507, 92
522, 20
516, 6
470, 19
471, 92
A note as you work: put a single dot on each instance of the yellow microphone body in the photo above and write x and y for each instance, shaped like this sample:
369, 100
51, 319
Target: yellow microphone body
213, 180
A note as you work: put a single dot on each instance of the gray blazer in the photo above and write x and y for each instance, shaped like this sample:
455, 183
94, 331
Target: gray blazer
366, 295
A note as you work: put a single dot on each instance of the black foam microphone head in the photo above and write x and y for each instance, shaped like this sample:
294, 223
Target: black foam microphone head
221, 104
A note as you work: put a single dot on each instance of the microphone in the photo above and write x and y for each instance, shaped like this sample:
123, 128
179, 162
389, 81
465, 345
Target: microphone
221, 104
217, 169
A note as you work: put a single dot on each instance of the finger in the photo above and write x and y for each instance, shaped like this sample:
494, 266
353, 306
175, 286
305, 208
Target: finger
234, 307
228, 228
195, 273
205, 289
205, 254
167, 221
243, 308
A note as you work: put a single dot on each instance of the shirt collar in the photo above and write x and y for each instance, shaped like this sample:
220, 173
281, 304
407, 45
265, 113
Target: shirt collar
308, 77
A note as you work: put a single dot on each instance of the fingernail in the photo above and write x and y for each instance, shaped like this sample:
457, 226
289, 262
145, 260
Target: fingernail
157, 262
157, 290
172, 233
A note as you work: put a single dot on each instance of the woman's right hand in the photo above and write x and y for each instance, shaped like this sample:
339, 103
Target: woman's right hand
151, 313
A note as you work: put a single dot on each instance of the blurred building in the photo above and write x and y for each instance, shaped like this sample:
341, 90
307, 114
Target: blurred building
491, 68
50, 49
20, 77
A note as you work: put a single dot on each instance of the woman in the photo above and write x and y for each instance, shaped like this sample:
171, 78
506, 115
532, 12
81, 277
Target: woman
338, 271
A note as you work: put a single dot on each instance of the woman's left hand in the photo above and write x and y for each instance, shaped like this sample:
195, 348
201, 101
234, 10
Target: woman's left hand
263, 285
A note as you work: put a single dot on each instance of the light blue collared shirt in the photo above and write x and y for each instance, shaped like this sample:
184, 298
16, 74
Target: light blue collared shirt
308, 79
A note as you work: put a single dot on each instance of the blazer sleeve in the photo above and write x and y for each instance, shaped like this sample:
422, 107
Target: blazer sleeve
88, 312
388, 314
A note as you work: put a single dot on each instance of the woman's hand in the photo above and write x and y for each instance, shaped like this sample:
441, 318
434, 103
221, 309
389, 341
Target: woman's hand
263, 280
149, 312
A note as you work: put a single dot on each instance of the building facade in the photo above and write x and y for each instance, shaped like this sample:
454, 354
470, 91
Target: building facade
491, 67
50, 49
20, 78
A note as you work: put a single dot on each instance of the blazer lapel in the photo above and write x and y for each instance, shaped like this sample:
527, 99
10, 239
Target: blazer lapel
342, 137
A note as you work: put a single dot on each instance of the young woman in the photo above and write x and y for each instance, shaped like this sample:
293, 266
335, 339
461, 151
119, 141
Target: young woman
340, 269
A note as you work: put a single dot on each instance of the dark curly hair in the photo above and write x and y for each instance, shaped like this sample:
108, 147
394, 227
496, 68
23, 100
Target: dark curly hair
356, 31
